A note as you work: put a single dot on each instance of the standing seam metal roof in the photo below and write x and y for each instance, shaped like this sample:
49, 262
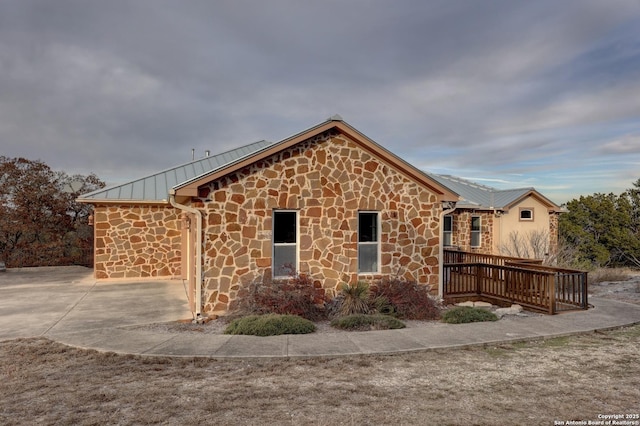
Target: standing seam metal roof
479, 196
156, 187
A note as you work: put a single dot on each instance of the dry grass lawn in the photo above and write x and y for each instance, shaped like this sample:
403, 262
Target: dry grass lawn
530, 383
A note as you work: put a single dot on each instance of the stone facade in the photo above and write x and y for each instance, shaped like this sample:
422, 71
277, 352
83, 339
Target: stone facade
553, 233
137, 242
327, 179
461, 235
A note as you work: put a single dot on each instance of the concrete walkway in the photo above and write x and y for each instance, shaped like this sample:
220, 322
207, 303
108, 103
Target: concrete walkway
68, 306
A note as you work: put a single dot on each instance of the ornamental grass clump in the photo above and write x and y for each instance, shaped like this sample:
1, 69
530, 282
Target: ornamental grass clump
466, 314
363, 322
355, 299
270, 325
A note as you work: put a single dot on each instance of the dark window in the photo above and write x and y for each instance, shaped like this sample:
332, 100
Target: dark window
368, 244
526, 214
448, 230
285, 243
475, 231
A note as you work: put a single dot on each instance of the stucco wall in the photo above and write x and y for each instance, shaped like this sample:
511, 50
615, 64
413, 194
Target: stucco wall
137, 242
327, 179
542, 223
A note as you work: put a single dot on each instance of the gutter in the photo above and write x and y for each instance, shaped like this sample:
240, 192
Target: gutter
198, 253
452, 207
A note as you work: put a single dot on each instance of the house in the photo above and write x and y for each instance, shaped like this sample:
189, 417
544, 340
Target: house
327, 202
512, 222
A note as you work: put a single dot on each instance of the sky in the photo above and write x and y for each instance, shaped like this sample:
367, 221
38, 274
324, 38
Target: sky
510, 94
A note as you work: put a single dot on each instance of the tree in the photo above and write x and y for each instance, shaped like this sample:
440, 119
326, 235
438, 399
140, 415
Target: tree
605, 228
36, 213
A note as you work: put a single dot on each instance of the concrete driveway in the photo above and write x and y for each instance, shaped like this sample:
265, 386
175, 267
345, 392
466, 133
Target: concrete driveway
50, 300
67, 305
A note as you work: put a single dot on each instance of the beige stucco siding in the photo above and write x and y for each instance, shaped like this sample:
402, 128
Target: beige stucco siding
510, 221
327, 179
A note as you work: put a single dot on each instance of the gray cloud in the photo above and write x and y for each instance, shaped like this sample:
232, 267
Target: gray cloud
125, 88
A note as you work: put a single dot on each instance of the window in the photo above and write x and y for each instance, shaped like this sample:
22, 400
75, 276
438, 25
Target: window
448, 230
368, 242
475, 231
526, 214
285, 243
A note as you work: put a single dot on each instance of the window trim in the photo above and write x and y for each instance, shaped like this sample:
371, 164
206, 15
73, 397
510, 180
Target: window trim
377, 243
274, 244
526, 209
478, 231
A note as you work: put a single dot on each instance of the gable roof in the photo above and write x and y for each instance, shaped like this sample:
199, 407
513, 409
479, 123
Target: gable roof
155, 188
184, 180
483, 197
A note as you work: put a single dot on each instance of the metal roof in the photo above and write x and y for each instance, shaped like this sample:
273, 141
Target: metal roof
155, 188
479, 196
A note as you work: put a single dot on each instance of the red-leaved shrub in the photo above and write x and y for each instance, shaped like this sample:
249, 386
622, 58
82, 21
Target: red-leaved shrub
293, 296
408, 299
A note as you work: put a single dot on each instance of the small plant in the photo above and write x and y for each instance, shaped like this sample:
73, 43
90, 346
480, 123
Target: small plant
298, 295
466, 314
405, 299
270, 325
361, 322
355, 299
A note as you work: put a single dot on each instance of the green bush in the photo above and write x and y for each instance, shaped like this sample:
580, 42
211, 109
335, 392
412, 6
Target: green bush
355, 299
465, 314
270, 325
361, 322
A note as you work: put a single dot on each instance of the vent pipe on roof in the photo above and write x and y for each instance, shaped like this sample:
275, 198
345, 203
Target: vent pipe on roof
206, 153
193, 154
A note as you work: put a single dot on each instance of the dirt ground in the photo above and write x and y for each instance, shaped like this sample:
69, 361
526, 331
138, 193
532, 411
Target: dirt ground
532, 383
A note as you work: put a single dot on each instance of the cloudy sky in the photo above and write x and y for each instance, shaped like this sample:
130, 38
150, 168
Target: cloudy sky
507, 93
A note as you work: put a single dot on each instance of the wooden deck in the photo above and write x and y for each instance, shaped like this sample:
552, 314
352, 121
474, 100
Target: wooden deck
506, 280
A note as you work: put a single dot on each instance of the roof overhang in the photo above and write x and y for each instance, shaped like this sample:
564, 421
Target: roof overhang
190, 188
122, 202
551, 206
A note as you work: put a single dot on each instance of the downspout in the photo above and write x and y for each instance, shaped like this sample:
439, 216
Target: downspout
452, 207
198, 254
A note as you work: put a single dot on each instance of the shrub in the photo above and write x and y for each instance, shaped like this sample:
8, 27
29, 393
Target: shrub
270, 325
297, 295
405, 299
466, 314
355, 299
608, 275
361, 322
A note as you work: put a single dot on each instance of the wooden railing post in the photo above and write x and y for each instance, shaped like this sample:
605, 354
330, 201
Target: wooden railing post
552, 293
479, 277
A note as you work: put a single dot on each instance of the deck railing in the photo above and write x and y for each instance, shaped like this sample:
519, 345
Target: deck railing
514, 280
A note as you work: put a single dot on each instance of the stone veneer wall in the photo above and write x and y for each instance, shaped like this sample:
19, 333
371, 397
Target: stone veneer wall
462, 231
553, 233
137, 242
328, 179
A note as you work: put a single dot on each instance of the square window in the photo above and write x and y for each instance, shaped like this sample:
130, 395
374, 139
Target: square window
526, 214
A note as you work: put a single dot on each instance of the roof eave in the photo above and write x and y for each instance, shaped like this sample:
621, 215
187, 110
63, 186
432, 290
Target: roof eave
121, 201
